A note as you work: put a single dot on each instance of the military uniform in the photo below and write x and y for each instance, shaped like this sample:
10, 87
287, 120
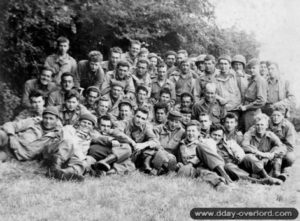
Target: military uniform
156, 88
113, 105
184, 83
145, 81
237, 136
71, 117
202, 82
28, 113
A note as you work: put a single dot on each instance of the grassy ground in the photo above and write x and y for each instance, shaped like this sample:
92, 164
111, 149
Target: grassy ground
25, 194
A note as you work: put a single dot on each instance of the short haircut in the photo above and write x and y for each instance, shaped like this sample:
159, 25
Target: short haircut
193, 123
204, 114
185, 94
161, 105
210, 58
46, 68
115, 50
35, 93
66, 74
141, 87
143, 110
165, 90
216, 127
183, 52
161, 65
92, 89
260, 117
95, 56
125, 104
123, 64
105, 118
71, 94
186, 110
62, 39
135, 42
231, 116
143, 61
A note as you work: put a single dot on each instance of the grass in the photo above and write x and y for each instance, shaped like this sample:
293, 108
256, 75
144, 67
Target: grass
26, 194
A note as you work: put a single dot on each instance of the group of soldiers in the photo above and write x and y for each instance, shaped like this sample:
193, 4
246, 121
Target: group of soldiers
221, 119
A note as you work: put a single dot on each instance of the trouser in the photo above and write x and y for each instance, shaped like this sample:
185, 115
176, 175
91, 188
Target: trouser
163, 157
288, 160
200, 172
248, 118
122, 152
209, 157
138, 157
235, 172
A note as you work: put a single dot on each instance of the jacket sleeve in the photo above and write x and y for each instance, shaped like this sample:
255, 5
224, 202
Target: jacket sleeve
261, 96
121, 137
25, 97
289, 101
278, 148
152, 140
11, 128
290, 137
246, 144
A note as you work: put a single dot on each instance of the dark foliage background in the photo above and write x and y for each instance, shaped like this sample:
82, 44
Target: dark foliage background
28, 30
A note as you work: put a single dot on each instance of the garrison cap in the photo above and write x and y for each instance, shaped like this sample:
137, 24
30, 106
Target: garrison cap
51, 110
125, 101
171, 53
174, 115
253, 62
90, 117
193, 123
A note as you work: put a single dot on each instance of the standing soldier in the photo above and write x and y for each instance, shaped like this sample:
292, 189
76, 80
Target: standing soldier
141, 75
61, 62
255, 95
131, 55
170, 60
263, 69
90, 72
115, 54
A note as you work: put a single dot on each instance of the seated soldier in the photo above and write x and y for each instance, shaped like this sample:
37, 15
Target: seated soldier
142, 101
25, 139
165, 97
143, 54
231, 132
90, 72
160, 114
114, 57
285, 130
61, 61
122, 75
71, 110
186, 101
114, 97
125, 110
236, 161
36, 108
67, 159
111, 150
141, 75
205, 124
146, 141
92, 96
186, 116
169, 134
265, 147
198, 157
210, 105
57, 97
154, 60
162, 82
43, 84
103, 106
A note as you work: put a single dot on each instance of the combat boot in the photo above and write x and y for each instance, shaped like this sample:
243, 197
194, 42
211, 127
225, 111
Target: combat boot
105, 163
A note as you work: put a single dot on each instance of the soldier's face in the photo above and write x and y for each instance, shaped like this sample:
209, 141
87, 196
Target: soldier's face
37, 103
135, 49
263, 69
49, 121
94, 66
141, 69
201, 66
186, 101
122, 71
210, 95
230, 124
153, 61
143, 55
72, 104
105, 126
261, 126
185, 67
186, 118
103, 107
63, 47
209, 66
140, 118
173, 124
125, 112
192, 133
217, 135
238, 66
46, 77
205, 122
162, 73
254, 70
180, 58
67, 83
160, 115
86, 125
92, 97
273, 71
116, 92
141, 96
277, 117
115, 58
224, 66
165, 98
170, 60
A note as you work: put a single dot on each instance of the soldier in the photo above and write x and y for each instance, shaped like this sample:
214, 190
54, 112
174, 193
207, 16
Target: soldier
200, 64
208, 77
162, 82
279, 91
181, 56
71, 110
165, 97
231, 132
266, 148
186, 116
61, 62
170, 60
255, 95
125, 110
227, 85
122, 75
185, 81
141, 75
37, 103
146, 141
131, 55
143, 54
160, 114
114, 97
285, 130
57, 97
92, 95
209, 104
43, 84
205, 124
186, 101
68, 160
115, 54
26, 139
263, 69
90, 72
111, 150
153, 60
142, 101
103, 106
